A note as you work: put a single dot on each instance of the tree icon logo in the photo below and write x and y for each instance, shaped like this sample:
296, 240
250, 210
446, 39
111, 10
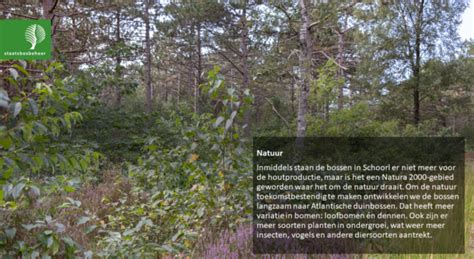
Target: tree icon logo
34, 34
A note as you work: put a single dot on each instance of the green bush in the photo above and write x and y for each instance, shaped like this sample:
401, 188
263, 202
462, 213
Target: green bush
39, 160
202, 182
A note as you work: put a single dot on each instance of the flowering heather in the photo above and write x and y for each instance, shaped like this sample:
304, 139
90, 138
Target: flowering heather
231, 244
238, 244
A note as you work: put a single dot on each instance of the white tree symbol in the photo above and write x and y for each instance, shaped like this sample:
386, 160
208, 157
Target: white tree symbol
34, 34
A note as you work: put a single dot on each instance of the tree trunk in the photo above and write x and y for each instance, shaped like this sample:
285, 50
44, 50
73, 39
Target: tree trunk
48, 14
195, 95
305, 69
178, 93
198, 79
340, 61
294, 82
148, 57
417, 64
118, 58
244, 63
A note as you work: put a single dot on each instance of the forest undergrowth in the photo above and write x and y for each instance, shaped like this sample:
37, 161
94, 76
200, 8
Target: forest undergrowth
82, 179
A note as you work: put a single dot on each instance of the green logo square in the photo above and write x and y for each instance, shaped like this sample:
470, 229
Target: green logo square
25, 39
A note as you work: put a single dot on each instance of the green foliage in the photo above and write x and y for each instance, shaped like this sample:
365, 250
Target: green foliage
445, 103
84, 171
358, 121
324, 90
361, 121
31, 135
34, 150
201, 183
31, 229
118, 134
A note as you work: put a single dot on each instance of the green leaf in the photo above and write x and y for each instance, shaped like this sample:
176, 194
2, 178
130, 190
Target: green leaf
219, 120
232, 116
129, 232
55, 247
17, 190
3, 103
176, 236
10, 232
69, 241
90, 228
13, 72
22, 63
21, 69
33, 106
6, 142
4, 100
15, 108
40, 127
74, 202
64, 205
28, 227
228, 124
7, 173
83, 220
140, 211
49, 242
69, 188
200, 212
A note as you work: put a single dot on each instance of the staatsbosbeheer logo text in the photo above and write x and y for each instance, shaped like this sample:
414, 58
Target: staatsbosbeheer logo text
25, 39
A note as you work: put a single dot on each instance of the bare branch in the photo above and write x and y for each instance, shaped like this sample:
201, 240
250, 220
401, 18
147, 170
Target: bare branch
278, 114
333, 60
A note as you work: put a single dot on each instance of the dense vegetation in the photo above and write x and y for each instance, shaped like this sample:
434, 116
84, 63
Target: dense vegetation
135, 139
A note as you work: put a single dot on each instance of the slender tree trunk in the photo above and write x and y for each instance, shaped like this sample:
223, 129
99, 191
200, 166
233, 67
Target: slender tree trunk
305, 69
118, 57
199, 53
416, 95
195, 95
244, 63
48, 9
417, 63
48, 14
258, 102
199, 69
148, 57
340, 60
341, 44
294, 83
178, 94
154, 90
326, 109
340, 71
166, 93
